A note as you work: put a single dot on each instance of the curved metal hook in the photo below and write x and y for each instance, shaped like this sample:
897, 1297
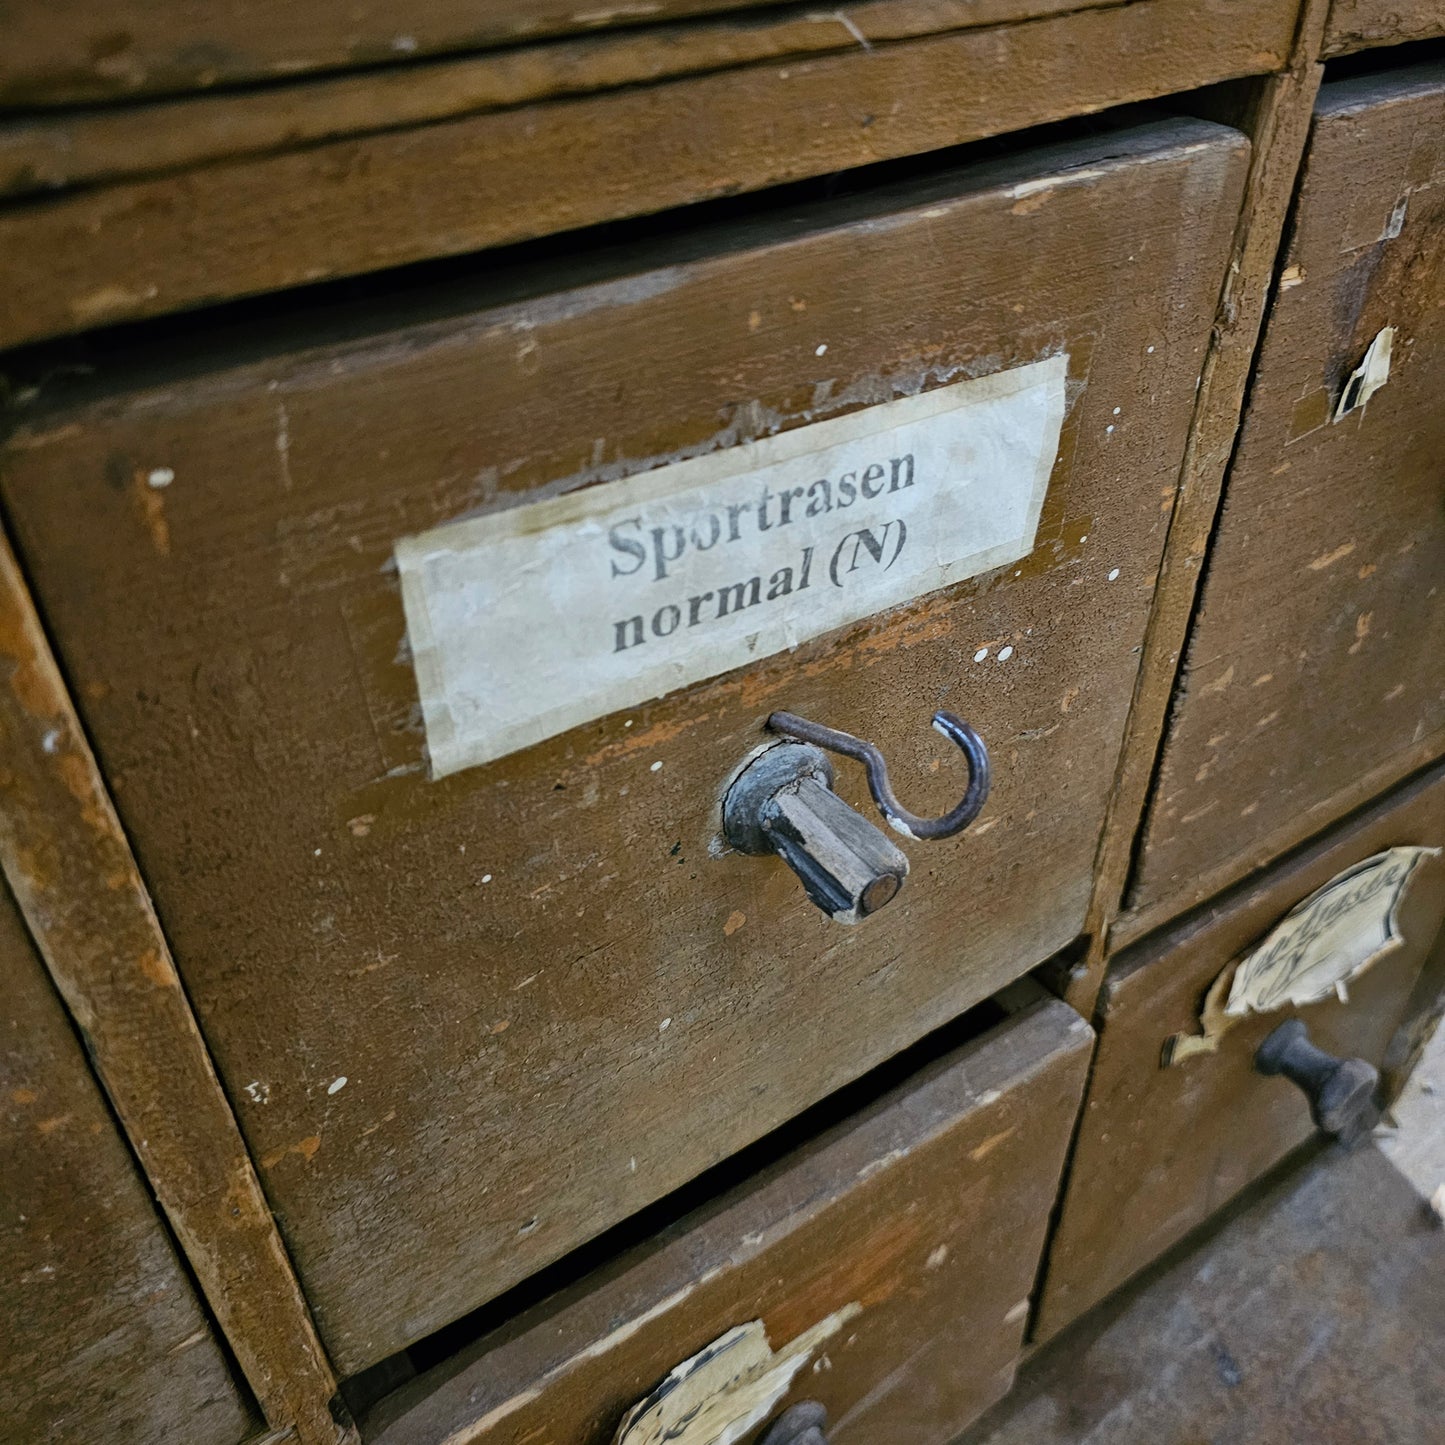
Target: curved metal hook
899, 818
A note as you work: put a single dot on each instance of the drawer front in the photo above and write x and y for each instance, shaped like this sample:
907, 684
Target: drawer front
87, 51
1359, 24
1315, 674
1162, 1147
173, 205
103, 1337
478, 1019
904, 1243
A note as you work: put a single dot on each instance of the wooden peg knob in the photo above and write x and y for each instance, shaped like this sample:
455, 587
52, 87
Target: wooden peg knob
783, 803
1341, 1091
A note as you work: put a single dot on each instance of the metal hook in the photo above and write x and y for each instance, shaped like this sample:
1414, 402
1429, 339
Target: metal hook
899, 818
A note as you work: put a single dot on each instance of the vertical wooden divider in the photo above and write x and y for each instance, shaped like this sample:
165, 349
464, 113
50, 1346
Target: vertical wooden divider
1277, 119
75, 878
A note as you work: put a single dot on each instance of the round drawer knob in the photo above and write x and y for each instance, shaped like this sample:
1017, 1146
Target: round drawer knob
1341, 1091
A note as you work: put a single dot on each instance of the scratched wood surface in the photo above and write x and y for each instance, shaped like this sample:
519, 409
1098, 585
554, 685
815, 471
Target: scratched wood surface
1160, 1149
925, 1214
468, 1024
101, 1334
72, 873
1275, 113
1363, 24
350, 205
1315, 672
67, 51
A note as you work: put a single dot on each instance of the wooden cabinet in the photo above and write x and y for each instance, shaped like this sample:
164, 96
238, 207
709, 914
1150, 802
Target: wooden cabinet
890, 1260
101, 1334
469, 1022
1315, 672
1161, 1147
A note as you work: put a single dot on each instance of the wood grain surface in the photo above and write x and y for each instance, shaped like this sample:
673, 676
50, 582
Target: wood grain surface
1363, 24
550, 1003
926, 1212
72, 873
1315, 670
357, 204
33, 74
1160, 1149
101, 1335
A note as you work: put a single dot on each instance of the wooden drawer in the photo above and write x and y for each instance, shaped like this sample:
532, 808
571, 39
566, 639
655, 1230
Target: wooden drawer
1315, 673
1162, 1147
1361, 24
470, 1022
83, 51
903, 1243
150, 209
103, 1337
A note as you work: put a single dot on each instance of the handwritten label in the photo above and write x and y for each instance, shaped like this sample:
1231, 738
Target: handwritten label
1313, 952
527, 622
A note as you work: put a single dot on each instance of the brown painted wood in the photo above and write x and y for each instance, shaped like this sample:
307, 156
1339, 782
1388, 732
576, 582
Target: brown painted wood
71, 871
1275, 113
67, 51
531, 1058
355, 205
81, 146
101, 1335
1160, 1149
1318, 655
1362, 24
928, 1210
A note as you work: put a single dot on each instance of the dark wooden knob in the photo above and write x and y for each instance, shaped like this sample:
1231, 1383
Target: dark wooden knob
1341, 1091
800, 1424
783, 802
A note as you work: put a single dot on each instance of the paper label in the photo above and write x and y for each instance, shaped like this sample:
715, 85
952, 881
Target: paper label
1335, 934
529, 621
1312, 953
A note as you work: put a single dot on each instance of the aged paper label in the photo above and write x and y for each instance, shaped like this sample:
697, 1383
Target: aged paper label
1313, 952
726, 1389
527, 622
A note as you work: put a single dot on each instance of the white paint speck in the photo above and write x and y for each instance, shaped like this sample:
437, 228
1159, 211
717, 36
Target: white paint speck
336, 1085
1113, 574
161, 477
316, 853
258, 1092
980, 654
937, 1258
1108, 429
51, 741
1150, 350
821, 350
486, 877
663, 1027
1117, 410
628, 723
1004, 653
1083, 539
656, 767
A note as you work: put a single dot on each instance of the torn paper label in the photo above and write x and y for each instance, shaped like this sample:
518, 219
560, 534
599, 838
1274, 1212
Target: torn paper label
1313, 952
1369, 376
527, 622
727, 1389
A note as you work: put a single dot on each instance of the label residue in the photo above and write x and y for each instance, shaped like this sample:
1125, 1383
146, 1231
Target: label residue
527, 622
